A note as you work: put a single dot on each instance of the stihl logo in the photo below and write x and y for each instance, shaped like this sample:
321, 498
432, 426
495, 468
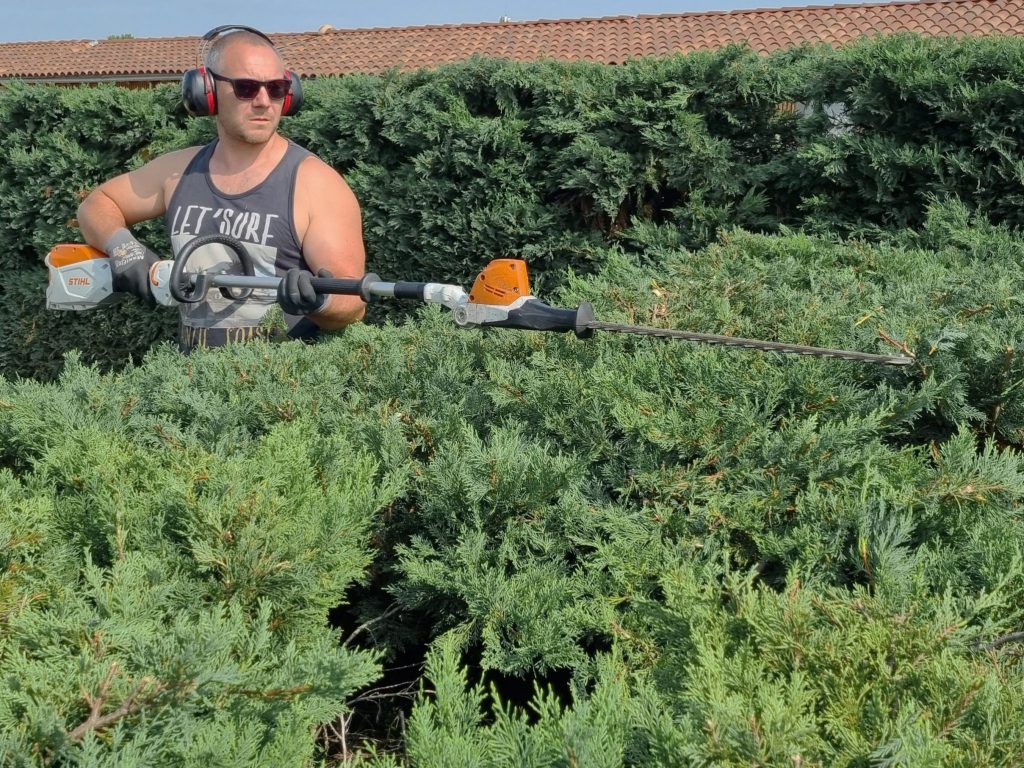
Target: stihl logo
79, 281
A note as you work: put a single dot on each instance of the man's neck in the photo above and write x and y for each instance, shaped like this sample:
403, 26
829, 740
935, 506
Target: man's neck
232, 156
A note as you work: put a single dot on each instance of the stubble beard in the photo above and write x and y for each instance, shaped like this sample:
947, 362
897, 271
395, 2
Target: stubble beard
251, 137
241, 129
255, 135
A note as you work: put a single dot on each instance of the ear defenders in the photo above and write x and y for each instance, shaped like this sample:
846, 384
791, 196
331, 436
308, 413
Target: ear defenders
199, 91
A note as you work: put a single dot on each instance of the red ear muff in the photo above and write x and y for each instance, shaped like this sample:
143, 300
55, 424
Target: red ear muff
210, 89
293, 101
198, 93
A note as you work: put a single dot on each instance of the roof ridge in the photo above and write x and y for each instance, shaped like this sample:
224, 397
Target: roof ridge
624, 17
97, 40
817, 7
523, 22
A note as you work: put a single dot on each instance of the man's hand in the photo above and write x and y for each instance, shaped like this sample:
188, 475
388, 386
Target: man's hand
130, 261
296, 294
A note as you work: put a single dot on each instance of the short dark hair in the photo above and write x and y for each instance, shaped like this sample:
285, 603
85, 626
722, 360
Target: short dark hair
215, 56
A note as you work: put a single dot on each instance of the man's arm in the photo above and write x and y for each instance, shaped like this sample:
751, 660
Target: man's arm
105, 215
333, 237
130, 198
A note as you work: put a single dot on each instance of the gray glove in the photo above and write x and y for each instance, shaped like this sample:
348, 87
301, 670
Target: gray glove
296, 294
130, 261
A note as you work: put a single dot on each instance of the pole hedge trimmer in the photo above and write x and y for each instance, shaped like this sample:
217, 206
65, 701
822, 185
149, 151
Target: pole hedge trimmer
80, 279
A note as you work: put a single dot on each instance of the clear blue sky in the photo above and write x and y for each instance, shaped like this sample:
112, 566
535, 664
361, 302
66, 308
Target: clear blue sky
25, 20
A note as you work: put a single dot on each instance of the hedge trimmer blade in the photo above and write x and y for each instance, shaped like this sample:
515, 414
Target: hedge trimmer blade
735, 341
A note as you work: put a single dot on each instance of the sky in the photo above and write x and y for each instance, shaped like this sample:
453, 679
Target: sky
22, 21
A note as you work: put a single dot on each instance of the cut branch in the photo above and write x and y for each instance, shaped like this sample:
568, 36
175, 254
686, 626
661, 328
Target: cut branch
900, 345
132, 703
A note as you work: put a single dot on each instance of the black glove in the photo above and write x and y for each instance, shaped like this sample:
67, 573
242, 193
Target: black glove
296, 294
130, 261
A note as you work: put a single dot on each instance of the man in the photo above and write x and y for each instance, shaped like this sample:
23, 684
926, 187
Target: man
294, 213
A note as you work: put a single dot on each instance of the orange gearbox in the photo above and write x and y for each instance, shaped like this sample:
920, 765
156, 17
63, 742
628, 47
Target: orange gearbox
503, 282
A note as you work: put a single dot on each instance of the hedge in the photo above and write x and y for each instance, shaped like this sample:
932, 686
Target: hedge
686, 555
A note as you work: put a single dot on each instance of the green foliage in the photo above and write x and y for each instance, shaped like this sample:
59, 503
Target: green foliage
732, 557
794, 560
591, 733
924, 117
743, 676
164, 595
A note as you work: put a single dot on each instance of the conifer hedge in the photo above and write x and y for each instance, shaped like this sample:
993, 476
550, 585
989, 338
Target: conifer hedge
549, 161
687, 555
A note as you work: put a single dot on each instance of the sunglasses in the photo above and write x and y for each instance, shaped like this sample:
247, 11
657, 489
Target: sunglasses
246, 89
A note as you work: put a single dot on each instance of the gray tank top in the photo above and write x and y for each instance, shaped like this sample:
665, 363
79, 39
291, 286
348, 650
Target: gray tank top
261, 218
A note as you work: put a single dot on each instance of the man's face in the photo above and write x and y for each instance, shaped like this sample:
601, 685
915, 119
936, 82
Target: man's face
255, 120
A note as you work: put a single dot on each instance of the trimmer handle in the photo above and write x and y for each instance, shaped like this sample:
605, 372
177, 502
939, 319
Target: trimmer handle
346, 286
193, 288
534, 315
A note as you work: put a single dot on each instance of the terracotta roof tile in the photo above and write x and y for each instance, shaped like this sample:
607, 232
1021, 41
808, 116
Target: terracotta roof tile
608, 40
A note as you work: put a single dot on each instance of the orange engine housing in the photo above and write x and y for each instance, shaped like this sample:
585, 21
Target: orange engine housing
503, 282
65, 254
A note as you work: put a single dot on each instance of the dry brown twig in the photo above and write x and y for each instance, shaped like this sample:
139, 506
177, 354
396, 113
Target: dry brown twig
131, 704
900, 345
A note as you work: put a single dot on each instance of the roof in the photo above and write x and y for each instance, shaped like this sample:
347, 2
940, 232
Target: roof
610, 40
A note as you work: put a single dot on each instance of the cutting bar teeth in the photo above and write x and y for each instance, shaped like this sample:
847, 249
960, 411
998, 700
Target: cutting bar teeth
763, 346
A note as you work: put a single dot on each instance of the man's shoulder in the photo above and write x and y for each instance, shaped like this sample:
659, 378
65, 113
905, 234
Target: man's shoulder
174, 162
312, 165
182, 157
170, 168
319, 187
314, 172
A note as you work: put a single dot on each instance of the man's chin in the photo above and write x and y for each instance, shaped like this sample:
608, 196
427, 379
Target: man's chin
258, 136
